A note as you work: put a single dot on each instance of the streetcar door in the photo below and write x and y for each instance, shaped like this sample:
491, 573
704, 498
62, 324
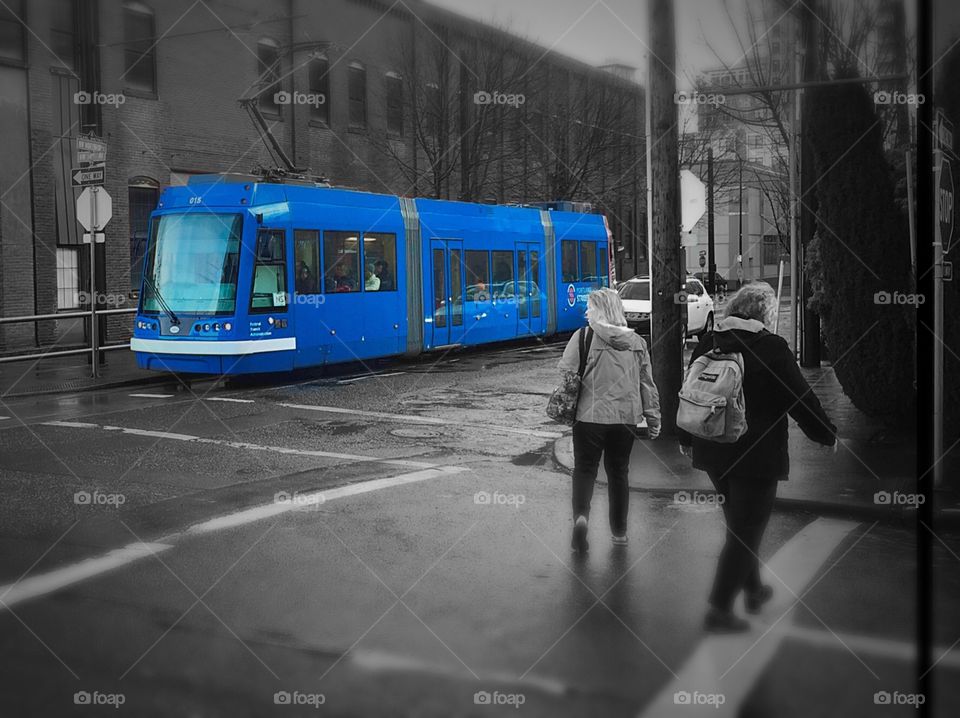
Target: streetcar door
446, 291
529, 290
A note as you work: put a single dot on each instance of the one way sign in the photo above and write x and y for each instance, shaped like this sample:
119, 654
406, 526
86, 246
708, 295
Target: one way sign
86, 176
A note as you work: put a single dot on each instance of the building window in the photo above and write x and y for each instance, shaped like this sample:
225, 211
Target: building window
63, 37
432, 110
319, 80
68, 278
357, 90
394, 104
139, 49
11, 31
772, 248
142, 198
268, 72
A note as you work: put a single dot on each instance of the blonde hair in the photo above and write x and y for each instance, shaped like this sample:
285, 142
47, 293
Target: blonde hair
755, 300
605, 306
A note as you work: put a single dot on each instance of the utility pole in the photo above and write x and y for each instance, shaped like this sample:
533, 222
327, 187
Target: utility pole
740, 218
666, 270
711, 246
810, 32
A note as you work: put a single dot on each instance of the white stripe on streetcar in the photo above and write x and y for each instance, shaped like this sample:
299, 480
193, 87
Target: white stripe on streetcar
414, 419
258, 513
56, 579
44, 583
207, 347
729, 665
230, 399
152, 396
243, 444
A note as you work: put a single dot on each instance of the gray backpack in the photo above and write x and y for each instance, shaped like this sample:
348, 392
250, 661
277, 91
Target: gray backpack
711, 398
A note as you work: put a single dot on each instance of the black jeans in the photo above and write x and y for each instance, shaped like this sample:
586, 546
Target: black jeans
614, 442
747, 505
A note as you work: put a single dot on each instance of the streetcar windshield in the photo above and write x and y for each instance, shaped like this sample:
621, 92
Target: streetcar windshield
193, 262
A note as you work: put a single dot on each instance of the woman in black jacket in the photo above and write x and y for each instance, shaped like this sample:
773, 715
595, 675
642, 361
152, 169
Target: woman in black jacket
745, 473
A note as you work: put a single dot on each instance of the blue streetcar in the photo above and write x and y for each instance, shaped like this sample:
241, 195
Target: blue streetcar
246, 276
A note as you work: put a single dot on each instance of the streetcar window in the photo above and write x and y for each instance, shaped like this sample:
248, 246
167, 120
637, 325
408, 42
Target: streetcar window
503, 275
588, 261
603, 268
306, 262
478, 275
341, 262
269, 273
380, 261
568, 255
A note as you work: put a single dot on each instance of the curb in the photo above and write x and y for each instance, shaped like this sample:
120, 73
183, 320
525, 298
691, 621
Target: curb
65, 388
945, 518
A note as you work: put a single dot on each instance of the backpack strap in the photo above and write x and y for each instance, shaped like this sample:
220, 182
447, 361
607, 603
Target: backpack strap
586, 339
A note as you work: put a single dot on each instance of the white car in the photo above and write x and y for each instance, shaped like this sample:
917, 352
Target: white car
635, 295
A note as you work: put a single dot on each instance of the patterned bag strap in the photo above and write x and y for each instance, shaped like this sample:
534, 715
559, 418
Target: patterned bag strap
586, 339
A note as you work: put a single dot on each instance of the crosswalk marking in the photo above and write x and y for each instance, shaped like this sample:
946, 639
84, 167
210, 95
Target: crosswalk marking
152, 396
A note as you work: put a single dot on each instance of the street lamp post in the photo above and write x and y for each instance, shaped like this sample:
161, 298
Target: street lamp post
740, 244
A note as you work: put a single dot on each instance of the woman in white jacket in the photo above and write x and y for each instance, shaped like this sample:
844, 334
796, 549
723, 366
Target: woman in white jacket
617, 390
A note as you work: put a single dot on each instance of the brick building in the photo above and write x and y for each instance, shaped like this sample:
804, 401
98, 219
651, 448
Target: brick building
402, 98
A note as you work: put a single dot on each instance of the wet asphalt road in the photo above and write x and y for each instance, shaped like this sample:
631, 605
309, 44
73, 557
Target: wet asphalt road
448, 581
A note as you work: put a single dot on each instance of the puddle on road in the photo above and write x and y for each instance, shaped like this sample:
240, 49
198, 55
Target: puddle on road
537, 457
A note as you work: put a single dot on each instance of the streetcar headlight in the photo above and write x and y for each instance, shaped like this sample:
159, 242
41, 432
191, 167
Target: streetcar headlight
216, 327
228, 326
206, 327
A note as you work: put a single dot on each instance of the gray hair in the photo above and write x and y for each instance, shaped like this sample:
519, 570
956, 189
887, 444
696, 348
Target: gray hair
605, 306
755, 300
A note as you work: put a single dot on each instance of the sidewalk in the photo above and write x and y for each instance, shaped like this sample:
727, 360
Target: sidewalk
72, 374
869, 461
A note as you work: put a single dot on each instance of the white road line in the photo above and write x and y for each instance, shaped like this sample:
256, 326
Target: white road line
731, 664
51, 581
882, 647
230, 399
152, 396
362, 377
414, 419
4, 417
318, 498
44, 583
243, 444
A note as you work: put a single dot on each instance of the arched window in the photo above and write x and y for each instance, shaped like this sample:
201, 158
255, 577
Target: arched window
319, 81
268, 72
394, 84
357, 91
139, 48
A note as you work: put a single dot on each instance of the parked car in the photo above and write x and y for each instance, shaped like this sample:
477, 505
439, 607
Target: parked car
635, 295
719, 282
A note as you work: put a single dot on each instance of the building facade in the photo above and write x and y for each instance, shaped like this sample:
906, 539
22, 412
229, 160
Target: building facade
404, 99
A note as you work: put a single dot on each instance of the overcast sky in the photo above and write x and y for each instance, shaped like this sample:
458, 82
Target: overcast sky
608, 30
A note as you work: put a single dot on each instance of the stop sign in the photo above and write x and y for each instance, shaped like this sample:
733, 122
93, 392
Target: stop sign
945, 196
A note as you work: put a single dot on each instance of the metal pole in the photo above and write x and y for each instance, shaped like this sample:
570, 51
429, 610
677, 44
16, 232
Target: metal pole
740, 245
938, 328
792, 171
711, 245
94, 354
648, 133
776, 322
911, 220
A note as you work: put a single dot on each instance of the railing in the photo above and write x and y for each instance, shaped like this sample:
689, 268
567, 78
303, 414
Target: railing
93, 350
